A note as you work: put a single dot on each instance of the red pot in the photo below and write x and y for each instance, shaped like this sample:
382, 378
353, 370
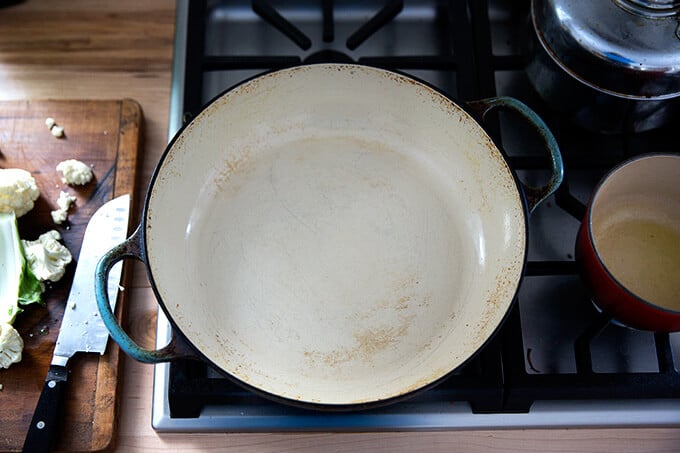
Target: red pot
628, 246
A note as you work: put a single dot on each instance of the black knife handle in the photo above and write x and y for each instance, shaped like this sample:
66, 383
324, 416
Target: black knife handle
43, 429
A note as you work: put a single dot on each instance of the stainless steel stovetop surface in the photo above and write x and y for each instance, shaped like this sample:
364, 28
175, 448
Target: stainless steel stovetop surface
555, 309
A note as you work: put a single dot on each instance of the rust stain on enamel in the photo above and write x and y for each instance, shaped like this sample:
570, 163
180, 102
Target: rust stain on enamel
499, 300
234, 165
372, 341
368, 343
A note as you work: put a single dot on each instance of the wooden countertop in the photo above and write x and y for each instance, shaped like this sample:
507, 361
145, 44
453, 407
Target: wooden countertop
96, 49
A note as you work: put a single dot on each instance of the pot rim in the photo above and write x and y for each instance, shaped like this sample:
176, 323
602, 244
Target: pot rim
338, 407
591, 239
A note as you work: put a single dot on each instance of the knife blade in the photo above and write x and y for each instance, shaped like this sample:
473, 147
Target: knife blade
82, 330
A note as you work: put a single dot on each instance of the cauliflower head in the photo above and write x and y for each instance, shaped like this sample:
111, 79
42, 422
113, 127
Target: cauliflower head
18, 191
11, 345
47, 257
74, 172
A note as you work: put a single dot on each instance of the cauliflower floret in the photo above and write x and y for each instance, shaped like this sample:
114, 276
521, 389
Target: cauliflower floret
64, 202
59, 216
47, 257
75, 172
18, 191
11, 345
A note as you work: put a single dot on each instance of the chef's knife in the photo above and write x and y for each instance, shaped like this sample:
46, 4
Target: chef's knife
82, 330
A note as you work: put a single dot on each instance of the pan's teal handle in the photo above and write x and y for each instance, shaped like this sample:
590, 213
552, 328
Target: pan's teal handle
131, 248
535, 195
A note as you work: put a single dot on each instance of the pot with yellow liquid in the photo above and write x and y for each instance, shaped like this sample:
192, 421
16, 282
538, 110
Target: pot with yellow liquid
628, 246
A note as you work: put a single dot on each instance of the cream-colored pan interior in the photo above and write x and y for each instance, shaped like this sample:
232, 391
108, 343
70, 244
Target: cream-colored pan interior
335, 234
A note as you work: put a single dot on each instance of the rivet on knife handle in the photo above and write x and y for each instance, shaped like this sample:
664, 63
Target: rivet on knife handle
42, 431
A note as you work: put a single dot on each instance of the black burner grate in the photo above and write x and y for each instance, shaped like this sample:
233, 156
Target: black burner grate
502, 378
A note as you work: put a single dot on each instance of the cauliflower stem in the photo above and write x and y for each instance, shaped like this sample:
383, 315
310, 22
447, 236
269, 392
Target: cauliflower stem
18, 285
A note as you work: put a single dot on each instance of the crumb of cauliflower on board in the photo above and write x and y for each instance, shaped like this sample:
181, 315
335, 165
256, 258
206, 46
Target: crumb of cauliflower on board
64, 202
18, 191
57, 131
75, 172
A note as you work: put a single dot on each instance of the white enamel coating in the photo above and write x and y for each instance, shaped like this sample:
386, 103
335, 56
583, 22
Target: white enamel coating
335, 234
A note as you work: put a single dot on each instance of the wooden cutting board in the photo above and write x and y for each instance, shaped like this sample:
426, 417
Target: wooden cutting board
105, 135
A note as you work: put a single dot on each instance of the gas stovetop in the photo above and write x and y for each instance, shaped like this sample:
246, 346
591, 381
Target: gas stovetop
556, 361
